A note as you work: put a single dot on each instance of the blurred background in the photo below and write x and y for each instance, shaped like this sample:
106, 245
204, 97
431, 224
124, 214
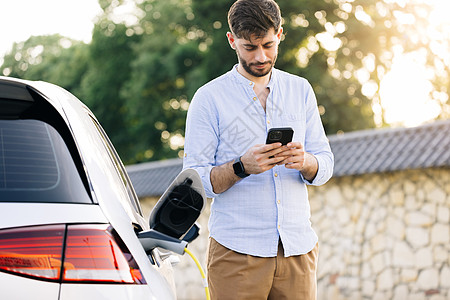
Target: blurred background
137, 63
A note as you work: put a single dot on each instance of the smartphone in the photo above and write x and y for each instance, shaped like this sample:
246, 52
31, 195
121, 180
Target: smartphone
280, 135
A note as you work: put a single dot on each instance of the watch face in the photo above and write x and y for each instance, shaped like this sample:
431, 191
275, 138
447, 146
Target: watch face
238, 167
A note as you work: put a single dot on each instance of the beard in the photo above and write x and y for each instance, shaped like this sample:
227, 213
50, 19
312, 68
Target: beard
251, 68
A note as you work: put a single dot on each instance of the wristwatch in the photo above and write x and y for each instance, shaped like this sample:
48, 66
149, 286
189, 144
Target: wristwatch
238, 168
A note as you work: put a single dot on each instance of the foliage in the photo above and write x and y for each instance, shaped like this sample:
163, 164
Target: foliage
141, 70
109, 63
53, 58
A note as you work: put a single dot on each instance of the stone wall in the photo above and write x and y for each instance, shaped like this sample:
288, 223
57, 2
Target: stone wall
381, 236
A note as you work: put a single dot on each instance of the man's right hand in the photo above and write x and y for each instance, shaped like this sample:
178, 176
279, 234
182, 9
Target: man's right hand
260, 157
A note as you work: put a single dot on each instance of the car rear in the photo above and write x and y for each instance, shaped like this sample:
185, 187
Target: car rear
56, 240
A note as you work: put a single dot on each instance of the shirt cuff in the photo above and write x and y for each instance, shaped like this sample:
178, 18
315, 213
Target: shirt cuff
322, 173
205, 175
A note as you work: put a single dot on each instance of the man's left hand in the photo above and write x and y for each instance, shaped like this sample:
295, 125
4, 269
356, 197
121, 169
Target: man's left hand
299, 159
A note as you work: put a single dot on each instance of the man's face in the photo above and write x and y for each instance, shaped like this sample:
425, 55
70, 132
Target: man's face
257, 56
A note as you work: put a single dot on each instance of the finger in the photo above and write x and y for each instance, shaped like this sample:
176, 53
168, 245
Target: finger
296, 166
268, 147
276, 152
296, 145
291, 152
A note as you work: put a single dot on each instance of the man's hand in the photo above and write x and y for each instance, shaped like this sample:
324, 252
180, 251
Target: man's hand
263, 157
295, 157
257, 159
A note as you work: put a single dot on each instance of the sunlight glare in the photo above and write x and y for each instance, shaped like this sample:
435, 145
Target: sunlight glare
405, 94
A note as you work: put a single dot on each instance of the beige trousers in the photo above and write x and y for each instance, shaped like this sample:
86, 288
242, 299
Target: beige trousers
236, 276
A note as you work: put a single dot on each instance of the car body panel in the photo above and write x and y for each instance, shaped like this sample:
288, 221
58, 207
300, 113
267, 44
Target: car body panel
16, 287
107, 292
29, 214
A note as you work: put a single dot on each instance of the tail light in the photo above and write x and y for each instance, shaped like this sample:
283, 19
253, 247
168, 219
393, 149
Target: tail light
72, 253
33, 251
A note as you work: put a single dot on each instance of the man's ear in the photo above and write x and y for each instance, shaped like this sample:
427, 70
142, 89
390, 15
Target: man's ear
231, 40
279, 34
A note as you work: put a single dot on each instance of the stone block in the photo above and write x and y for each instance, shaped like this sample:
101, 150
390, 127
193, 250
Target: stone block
412, 202
333, 292
445, 278
348, 191
380, 296
435, 194
417, 296
428, 279
396, 228
378, 263
343, 216
378, 243
368, 288
418, 237
440, 254
334, 196
370, 231
424, 258
315, 206
385, 281
401, 292
416, 218
429, 209
440, 233
366, 271
396, 197
403, 255
437, 297
443, 214
362, 196
355, 211
408, 275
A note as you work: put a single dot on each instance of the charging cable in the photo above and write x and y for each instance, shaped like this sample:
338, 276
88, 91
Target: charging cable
205, 281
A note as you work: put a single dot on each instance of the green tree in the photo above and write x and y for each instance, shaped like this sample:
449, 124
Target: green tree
53, 58
163, 78
109, 58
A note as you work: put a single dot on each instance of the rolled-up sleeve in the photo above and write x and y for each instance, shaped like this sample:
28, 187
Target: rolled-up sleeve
201, 139
316, 142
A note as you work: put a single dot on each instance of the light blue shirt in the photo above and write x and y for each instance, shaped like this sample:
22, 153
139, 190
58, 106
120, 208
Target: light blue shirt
224, 120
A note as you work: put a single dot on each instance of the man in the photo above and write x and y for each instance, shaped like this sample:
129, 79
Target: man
262, 245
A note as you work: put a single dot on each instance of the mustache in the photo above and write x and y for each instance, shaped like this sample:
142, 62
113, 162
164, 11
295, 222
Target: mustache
269, 62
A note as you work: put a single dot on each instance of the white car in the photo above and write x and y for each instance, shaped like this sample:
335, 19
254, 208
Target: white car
71, 226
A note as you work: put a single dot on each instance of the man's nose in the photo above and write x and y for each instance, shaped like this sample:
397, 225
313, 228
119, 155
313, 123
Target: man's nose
260, 55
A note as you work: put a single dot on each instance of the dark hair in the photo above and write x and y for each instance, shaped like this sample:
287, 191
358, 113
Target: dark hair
253, 17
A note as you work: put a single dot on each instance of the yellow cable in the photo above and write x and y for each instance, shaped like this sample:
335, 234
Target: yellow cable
205, 282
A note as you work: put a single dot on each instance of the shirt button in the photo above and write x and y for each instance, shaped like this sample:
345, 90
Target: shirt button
279, 226
251, 83
278, 201
268, 121
276, 175
254, 98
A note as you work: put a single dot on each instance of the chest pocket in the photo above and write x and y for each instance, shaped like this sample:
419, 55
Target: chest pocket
298, 123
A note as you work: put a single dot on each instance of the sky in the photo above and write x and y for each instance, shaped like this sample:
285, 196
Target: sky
404, 90
20, 19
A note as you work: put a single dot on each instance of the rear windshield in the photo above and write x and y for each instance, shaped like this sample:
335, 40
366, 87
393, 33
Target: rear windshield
36, 165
